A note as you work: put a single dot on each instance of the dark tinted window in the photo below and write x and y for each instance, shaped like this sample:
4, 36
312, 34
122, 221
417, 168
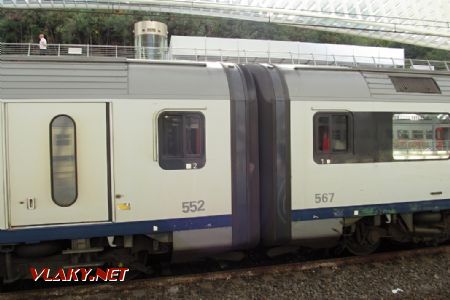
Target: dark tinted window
172, 138
332, 133
417, 134
194, 134
403, 134
181, 137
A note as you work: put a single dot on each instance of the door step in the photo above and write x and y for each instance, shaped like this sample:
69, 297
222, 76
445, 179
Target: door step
78, 251
84, 265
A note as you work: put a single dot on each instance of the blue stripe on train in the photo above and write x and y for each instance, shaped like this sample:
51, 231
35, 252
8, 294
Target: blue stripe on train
369, 210
52, 232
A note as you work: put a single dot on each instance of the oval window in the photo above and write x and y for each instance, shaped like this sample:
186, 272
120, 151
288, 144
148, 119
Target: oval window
63, 160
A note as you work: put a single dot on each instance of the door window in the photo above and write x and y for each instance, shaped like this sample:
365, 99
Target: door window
63, 160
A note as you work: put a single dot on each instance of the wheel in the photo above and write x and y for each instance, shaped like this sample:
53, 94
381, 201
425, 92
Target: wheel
365, 240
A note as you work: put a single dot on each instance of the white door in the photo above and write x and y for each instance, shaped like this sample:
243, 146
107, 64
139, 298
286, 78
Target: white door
58, 168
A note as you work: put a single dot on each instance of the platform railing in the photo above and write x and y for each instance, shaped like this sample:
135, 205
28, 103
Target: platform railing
222, 55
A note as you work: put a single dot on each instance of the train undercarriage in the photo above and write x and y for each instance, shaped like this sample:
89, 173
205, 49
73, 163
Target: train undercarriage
361, 236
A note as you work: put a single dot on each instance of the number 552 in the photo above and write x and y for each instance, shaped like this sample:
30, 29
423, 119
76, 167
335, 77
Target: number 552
192, 206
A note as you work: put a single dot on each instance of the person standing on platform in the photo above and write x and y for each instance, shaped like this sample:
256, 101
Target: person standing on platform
42, 44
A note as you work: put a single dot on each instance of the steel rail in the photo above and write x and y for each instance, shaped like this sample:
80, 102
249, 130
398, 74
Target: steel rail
142, 284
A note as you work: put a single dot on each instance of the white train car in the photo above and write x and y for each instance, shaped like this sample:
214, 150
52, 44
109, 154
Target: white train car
114, 161
119, 149
334, 168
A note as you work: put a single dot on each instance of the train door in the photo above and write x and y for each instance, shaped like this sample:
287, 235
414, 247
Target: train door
57, 163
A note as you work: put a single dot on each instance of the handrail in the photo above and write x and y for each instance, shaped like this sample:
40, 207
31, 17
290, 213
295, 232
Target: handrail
223, 55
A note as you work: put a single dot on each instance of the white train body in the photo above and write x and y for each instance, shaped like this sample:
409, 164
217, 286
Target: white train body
209, 157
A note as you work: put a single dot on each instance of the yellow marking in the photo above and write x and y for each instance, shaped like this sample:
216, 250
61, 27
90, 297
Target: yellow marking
124, 206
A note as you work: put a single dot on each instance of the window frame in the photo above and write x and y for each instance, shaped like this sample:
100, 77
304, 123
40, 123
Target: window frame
75, 160
168, 162
333, 157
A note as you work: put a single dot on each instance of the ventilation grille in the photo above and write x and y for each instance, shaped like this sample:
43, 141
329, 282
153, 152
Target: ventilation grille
415, 85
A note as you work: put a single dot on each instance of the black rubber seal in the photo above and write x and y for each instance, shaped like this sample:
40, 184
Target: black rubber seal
274, 153
244, 158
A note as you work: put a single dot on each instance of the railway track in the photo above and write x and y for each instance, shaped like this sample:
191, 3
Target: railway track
135, 288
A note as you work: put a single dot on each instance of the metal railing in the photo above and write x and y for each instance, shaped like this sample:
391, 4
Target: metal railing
222, 55
75, 50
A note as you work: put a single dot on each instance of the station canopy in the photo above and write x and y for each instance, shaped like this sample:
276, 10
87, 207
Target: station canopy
424, 23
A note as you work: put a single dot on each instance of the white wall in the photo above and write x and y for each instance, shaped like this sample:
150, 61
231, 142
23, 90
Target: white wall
194, 45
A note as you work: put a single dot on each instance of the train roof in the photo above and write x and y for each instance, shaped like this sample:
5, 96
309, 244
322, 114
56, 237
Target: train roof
94, 78
38, 77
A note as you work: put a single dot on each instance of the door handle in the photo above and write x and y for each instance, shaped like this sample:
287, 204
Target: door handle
31, 203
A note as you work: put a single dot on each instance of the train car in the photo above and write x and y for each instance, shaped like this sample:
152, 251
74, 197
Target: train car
112, 161
334, 170
123, 161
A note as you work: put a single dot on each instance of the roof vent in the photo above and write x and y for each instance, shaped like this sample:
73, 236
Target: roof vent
415, 85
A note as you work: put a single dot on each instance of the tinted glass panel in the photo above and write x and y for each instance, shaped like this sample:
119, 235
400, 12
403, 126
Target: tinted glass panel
181, 140
194, 135
417, 134
339, 133
403, 134
332, 133
323, 134
416, 140
63, 160
173, 135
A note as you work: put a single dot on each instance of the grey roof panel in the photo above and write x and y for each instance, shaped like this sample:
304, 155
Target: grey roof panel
325, 83
61, 79
57, 78
178, 81
380, 85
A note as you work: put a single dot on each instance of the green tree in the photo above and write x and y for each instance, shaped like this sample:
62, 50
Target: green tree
116, 28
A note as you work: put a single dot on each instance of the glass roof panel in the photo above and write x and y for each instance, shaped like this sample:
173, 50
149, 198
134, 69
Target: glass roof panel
424, 22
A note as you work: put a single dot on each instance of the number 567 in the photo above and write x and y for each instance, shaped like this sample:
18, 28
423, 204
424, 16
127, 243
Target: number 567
323, 197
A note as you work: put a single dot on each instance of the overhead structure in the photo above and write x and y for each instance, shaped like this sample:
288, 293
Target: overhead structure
423, 23
263, 51
150, 39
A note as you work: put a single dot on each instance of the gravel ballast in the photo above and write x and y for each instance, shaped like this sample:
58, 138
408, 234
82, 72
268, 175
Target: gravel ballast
421, 277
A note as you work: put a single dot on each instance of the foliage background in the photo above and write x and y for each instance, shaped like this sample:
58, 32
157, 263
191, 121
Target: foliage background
116, 28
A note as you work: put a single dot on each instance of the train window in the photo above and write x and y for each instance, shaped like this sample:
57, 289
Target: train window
429, 139
332, 133
63, 160
333, 138
417, 134
403, 134
181, 137
415, 85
